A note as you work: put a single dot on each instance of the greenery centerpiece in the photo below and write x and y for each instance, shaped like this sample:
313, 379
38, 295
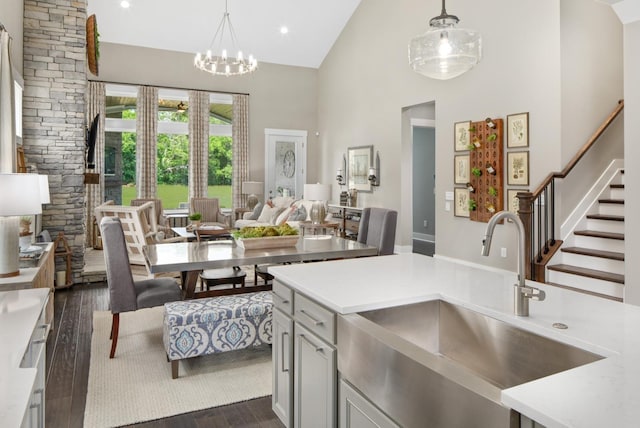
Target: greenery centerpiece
195, 219
266, 237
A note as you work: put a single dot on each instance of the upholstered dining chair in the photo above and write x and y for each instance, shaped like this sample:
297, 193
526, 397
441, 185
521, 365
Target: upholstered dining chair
378, 229
162, 223
209, 208
234, 276
125, 294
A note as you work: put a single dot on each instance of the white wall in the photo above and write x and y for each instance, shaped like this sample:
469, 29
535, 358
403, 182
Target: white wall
632, 157
11, 15
281, 97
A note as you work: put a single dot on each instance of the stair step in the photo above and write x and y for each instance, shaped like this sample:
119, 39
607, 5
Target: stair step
613, 255
616, 186
589, 273
606, 217
596, 234
591, 293
611, 201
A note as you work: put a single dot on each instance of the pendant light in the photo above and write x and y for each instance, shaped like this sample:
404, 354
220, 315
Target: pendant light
445, 52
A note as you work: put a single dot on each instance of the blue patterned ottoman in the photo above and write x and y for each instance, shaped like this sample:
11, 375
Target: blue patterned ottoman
215, 324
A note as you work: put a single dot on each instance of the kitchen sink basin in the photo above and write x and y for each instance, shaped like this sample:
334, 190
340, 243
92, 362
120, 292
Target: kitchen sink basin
436, 364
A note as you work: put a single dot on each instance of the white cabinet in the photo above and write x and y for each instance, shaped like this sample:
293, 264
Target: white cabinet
358, 412
281, 398
314, 374
304, 361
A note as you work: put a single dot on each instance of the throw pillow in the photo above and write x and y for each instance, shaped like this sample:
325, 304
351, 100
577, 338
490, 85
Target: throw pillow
276, 213
284, 216
266, 214
300, 214
256, 212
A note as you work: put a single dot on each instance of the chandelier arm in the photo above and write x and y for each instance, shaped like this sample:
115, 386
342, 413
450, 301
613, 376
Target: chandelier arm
233, 37
215, 36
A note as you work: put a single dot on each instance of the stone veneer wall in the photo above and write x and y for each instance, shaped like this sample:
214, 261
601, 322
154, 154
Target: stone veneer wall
54, 114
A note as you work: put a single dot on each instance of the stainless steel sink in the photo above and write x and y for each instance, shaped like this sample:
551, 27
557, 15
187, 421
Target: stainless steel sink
436, 364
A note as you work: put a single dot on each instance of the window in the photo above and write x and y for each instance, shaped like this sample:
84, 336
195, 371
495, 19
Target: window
220, 164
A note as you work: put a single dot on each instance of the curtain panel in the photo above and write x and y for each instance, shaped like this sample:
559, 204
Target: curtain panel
146, 141
7, 107
198, 144
94, 193
240, 135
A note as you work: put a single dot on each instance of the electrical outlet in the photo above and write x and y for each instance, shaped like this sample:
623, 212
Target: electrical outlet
426, 223
447, 206
503, 252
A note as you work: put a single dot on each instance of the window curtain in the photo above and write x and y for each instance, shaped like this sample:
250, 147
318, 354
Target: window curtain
240, 135
146, 141
7, 119
198, 144
94, 193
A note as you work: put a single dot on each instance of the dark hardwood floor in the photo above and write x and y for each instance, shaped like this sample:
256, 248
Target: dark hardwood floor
68, 352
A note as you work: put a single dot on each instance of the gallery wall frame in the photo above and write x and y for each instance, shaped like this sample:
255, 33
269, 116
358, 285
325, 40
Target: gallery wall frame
461, 202
461, 136
461, 169
513, 203
518, 130
359, 160
518, 168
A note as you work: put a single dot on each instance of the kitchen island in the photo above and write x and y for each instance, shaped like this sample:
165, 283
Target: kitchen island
603, 393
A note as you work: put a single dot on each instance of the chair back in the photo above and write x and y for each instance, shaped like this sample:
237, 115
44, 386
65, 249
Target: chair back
157, 205
119, 278
378, 229
207, 207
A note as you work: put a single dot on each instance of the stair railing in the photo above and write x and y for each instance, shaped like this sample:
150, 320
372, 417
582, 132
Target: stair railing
537, 209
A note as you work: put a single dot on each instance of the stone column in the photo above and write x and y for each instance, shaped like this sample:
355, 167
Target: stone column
54, 109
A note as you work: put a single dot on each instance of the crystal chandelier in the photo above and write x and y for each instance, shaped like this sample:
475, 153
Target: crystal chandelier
223, 64
445, 52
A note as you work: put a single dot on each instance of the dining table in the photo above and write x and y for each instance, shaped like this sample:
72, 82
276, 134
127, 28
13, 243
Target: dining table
191, 258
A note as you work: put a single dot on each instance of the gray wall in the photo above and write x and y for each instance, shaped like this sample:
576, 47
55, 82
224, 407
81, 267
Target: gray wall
632, 157
11, 16
424, 162
281, 97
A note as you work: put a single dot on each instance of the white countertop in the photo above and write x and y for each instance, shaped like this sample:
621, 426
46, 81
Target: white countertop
602, 394
19, 312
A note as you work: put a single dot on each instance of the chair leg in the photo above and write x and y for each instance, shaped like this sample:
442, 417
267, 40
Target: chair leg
115, 324
174, 369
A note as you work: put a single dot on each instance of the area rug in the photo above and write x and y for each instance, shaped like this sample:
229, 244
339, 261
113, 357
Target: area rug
136, 385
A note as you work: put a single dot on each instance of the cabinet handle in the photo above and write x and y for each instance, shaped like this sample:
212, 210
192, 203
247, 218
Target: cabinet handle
317, 348
286, 333
284, 301
314, 320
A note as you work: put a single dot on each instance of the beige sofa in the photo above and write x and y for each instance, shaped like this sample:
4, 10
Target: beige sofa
282, 209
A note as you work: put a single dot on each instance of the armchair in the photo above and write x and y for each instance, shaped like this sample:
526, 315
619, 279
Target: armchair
209, 208
161, 222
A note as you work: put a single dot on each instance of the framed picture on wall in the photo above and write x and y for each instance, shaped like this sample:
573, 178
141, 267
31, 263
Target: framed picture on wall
359, 161
461, 201
513, 204
461, 169
518, 168
461, 136
518, 130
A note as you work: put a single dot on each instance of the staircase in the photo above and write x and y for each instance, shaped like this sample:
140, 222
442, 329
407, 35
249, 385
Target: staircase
591, 259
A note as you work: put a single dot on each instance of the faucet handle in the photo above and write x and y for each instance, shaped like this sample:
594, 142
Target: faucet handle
533, 293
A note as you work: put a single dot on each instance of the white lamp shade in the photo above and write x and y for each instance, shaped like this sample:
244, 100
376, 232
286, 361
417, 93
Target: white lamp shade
317, 192
20, 194
44, 189
252, 188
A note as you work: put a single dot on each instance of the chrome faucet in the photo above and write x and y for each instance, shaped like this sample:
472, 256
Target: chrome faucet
522, 293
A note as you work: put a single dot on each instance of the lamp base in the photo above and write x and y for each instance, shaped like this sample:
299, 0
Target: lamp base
9, 248
318, 212
252, 201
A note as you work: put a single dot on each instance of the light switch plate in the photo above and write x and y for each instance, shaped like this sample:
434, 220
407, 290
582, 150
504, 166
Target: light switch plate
448, 196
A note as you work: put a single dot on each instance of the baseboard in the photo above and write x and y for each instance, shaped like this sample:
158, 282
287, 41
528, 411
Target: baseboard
399, 249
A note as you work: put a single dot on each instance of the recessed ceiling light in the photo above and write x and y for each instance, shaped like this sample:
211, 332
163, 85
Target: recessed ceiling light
125, 4
284, 30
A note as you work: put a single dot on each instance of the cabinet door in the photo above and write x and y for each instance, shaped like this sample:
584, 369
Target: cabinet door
314, 374
358, 412
282, 396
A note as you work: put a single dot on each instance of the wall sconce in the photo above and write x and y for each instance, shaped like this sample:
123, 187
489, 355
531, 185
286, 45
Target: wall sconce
341, 172
374, 171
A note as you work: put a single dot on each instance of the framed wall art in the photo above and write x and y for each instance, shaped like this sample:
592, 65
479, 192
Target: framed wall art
461, 201
461, 136
359, 160
518, 130
518, 168
461, 169
513, 203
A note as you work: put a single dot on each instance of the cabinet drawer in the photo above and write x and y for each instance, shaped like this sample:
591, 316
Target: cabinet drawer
319, 320
282, 297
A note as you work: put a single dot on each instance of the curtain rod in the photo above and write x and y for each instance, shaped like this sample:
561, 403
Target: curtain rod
167, 87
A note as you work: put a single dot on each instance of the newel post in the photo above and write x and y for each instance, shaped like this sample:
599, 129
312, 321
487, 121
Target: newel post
525, 211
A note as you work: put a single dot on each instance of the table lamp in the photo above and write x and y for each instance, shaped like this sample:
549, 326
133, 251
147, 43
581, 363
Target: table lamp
252, 188
319, 194
20, 195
